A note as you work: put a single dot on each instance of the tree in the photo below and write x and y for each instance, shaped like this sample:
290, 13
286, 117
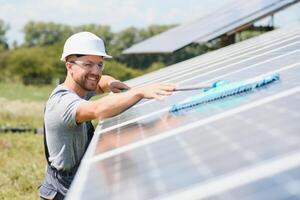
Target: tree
3, 41
30, 69
120, 71
102, 31
123, 40
45, 33
153, 30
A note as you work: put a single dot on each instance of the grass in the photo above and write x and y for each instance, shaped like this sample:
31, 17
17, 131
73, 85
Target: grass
16, 91
22, 106
16, 113
22, 165
22, 161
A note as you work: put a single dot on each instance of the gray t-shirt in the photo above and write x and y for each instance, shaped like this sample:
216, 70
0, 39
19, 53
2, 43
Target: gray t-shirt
66, 140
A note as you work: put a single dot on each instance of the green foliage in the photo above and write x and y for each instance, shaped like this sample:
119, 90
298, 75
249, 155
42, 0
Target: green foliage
188, 52
120, 71
102, 31
248, 34
123, 40
22, 165
45, 33
3, 41
4, 75
155, 66
59, 70
153, 30
31, 65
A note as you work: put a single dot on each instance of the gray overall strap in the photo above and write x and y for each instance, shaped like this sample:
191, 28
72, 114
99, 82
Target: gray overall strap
90, 132
45, 141
46, 147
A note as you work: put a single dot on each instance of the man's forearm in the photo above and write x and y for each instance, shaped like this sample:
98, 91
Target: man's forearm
107, 106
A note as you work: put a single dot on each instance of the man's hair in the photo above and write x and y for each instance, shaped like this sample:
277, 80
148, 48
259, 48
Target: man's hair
72, 57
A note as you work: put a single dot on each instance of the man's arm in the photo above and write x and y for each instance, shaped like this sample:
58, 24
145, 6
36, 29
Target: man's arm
114, 104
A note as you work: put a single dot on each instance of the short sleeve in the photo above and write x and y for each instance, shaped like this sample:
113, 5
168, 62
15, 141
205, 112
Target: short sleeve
70, 103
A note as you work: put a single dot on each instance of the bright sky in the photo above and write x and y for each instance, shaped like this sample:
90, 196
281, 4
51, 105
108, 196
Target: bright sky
118, 14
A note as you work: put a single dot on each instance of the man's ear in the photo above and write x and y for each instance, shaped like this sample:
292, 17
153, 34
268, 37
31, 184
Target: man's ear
69, 66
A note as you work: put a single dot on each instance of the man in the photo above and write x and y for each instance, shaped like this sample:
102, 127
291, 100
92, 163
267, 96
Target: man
68, 112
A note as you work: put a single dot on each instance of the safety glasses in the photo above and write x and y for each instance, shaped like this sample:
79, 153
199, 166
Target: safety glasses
88, 65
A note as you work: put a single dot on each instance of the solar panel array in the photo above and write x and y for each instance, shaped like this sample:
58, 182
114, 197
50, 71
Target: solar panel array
246, 146
224, 20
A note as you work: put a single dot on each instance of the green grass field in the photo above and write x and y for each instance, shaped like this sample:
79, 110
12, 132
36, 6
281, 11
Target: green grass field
25, 93
22, 106
22, 165
22, 161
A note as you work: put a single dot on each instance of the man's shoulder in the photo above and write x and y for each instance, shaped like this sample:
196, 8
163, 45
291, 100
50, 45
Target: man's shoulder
62, 94
61, 90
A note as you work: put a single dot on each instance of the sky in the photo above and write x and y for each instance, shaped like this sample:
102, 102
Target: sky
118, 14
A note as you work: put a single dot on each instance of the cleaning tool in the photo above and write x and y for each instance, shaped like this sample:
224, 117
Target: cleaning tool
224, 89
204, 87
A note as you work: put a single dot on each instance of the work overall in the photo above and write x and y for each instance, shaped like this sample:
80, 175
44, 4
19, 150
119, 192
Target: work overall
57, 183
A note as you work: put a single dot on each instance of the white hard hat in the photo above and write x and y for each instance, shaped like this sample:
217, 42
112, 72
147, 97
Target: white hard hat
84, 43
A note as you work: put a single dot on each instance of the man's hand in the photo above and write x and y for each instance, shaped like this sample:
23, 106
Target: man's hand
110, 84
117, 86
155, 91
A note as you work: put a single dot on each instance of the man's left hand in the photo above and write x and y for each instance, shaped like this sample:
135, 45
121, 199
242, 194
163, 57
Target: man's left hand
117, 86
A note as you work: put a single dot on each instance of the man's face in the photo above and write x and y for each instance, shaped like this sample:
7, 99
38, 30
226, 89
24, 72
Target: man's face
87, 71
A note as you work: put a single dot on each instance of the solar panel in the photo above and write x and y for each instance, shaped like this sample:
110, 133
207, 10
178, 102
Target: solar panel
242, 147
214, 58
229, 18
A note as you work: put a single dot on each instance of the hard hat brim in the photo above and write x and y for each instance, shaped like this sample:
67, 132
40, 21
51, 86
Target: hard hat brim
63, 58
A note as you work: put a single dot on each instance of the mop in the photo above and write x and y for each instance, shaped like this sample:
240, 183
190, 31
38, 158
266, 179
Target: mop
221, 89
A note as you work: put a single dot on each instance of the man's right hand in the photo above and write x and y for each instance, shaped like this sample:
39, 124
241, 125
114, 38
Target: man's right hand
155, 91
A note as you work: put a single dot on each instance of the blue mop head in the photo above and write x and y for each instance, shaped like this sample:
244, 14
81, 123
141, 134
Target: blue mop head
224, 90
